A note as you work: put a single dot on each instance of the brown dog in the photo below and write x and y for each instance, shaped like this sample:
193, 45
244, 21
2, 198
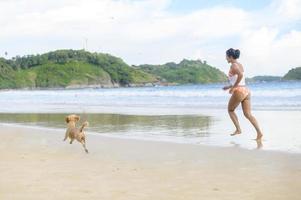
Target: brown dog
74, 133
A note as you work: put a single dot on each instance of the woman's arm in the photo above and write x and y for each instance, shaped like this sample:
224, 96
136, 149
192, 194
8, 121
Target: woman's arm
227, 87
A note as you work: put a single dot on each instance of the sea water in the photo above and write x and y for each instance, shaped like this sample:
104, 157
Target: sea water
195, 114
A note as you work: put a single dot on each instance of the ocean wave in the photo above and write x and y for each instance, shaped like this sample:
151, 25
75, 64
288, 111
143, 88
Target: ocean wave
148, 93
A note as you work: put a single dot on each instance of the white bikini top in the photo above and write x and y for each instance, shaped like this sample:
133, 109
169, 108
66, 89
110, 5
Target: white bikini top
232, 79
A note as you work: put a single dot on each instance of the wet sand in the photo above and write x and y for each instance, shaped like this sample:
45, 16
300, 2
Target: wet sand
281, 128
36, 164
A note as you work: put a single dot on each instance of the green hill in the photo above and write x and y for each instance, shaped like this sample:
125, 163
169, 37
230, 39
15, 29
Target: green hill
6, 75
65, 68
293, 74
264, 78
187, 71
62, 75
79, 68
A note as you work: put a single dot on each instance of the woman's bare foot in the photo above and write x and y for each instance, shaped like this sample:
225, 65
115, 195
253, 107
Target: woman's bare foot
259, 137
259, 144
237, 132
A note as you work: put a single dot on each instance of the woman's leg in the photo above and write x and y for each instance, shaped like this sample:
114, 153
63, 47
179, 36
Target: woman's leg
246, 107
233, 103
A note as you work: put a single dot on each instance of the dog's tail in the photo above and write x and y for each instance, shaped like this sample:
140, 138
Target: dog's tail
83, 126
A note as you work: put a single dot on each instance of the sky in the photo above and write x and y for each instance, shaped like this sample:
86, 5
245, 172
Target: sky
268, 32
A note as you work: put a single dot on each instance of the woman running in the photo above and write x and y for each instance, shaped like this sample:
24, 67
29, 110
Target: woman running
240, 93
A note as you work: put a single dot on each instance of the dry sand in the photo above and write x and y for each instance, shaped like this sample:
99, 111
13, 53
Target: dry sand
36, 164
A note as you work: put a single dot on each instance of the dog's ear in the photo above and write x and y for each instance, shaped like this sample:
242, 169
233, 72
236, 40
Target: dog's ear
77, 117
67, 119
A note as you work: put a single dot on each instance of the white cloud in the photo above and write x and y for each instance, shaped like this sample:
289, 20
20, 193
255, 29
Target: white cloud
268, 53
146, 31
289, 9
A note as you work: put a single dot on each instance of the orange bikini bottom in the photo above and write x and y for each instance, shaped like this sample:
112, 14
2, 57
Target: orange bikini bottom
241, 89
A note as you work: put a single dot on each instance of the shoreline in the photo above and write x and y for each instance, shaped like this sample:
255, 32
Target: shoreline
98, 136
146, 139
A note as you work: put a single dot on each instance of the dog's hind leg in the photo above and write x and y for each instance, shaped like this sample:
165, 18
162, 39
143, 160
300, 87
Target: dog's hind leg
84, 145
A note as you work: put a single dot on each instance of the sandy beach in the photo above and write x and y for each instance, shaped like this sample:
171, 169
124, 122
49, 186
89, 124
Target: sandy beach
36, 164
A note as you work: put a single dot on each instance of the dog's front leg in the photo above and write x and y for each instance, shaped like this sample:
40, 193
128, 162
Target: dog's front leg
66, 135
71, 140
